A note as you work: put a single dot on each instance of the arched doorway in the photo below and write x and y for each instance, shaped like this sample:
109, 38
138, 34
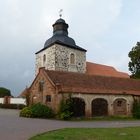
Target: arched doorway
77, 107
99, 107
120, 106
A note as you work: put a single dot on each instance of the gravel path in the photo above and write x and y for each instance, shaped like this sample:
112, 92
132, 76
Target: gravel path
13, 127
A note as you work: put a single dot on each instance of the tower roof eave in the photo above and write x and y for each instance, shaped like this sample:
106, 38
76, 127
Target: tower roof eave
61, 43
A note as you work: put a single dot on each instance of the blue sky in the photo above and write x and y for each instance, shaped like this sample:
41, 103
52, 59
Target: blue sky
108, 29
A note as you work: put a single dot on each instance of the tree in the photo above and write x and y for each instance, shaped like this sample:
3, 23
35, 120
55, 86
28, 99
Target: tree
134, 64
4, 92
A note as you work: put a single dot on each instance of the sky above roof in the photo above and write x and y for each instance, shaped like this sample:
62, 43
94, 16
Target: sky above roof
107, 29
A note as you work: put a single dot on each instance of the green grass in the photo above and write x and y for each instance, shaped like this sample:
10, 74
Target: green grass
131, 133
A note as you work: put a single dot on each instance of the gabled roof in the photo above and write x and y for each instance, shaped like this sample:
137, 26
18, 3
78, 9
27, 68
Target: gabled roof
103, 70
85, 83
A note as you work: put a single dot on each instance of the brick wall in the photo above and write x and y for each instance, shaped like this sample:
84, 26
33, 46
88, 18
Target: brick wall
37, 96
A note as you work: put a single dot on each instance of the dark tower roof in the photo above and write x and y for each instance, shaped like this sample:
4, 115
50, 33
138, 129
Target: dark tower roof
60, 36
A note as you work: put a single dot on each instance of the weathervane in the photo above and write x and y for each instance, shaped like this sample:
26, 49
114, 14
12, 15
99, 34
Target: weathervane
60, 13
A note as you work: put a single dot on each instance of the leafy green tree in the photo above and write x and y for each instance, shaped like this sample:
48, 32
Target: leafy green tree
134, 64
4, 92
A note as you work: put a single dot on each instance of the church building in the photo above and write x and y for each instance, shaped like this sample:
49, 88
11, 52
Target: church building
63, 71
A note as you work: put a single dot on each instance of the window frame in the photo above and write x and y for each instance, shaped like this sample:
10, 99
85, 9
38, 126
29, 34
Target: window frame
41, 86
44, 58
48, 98
72, 58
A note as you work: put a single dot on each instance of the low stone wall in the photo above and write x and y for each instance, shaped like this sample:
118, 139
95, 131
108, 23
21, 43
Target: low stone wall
17, 101
9, 100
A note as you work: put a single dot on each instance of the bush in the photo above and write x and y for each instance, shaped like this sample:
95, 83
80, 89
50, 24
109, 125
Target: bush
37, 111
65, 115
136, 109
65, 110
26, 112
41, 111
12, 106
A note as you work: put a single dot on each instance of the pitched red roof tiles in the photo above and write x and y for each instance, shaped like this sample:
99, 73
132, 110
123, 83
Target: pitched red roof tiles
85, 83
98, 69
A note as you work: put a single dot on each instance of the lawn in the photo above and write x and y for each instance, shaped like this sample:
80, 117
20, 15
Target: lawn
131, 133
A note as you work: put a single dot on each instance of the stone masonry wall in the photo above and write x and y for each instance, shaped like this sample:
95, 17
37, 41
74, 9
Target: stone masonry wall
58, 58
50, 59
62, 59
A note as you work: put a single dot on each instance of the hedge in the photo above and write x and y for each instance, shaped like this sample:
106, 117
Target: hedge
12, 106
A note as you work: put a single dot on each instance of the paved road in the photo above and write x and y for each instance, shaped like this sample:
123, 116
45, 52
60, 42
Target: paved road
13, 127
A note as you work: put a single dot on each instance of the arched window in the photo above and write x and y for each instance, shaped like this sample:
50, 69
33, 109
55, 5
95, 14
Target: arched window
44, 58
72, 58
120, 106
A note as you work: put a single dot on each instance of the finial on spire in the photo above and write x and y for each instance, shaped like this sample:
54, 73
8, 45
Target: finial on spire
60, 13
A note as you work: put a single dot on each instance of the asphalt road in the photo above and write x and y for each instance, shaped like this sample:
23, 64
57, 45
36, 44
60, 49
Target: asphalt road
13, 127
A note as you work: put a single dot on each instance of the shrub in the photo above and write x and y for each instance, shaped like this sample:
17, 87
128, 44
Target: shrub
26, 112
65, 110
37, 111
41, 111
136, 109
12, 106
65, 115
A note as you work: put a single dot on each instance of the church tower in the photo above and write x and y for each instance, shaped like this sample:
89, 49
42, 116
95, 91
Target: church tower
60, 52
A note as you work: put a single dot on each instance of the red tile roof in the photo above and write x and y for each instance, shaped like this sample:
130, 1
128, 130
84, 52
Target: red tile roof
103, 70
85, 83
